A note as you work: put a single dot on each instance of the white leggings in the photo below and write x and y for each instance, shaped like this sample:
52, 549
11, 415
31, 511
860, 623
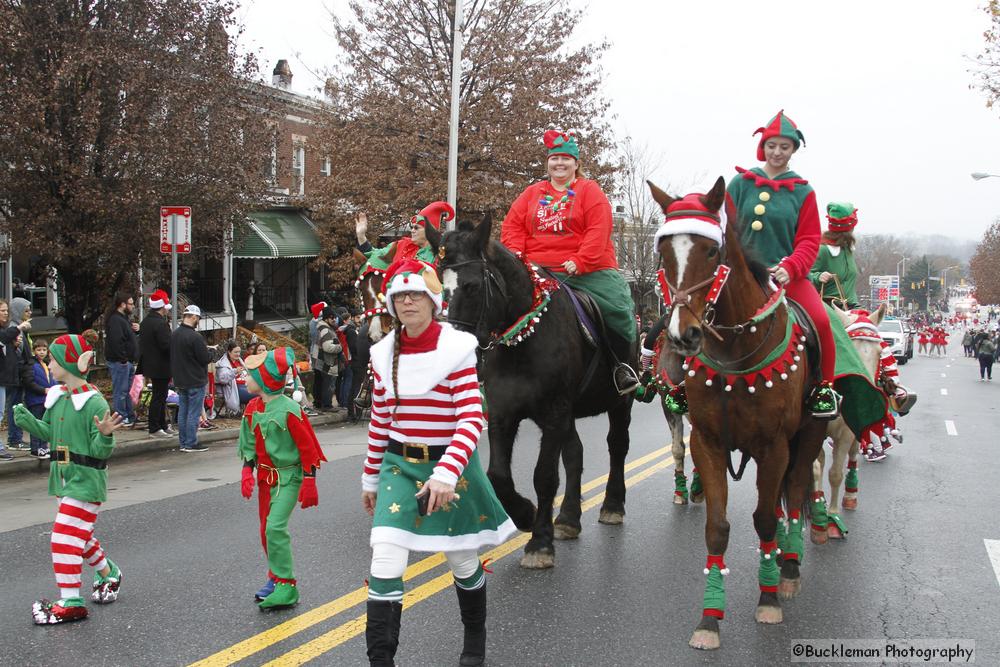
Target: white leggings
389, 561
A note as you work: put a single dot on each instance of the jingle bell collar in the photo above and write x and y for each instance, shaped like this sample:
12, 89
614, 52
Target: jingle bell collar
411, 275
317, 309
72, 353
561, 143
689, 216
269, 370
841, 216
435, 213
159, 299
779, 126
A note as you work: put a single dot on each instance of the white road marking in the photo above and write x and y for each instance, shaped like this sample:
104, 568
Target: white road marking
949, 426
944, 392
993, 549
944, 375
947, 365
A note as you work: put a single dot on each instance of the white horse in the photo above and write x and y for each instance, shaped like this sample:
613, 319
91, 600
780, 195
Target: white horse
845, 445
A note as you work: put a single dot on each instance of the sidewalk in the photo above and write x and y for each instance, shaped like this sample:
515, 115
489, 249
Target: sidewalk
130, 442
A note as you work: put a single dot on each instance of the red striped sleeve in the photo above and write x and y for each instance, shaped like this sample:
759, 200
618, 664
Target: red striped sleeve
469, 422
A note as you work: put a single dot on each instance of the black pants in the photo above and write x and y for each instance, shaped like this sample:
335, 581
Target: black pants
357, 378
321, 390
986, 366
158, 405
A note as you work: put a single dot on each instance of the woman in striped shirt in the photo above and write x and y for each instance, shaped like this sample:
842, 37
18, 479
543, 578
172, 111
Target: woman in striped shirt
427, 417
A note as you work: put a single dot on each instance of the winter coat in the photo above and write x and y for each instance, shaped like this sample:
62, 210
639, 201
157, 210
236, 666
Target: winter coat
15, 357
120, 343
225, 377
154, 347
328, 347
36, 378
189, 357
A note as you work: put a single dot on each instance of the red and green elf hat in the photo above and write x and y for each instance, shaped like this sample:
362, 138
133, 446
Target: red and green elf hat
269, 370
841, 216
561, 143
779, 126
73, 353
434, 213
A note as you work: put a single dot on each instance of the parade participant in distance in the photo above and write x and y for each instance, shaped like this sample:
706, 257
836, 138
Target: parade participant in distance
80, 430
835, 273
277, 438
564, 224
426, 421
779, 224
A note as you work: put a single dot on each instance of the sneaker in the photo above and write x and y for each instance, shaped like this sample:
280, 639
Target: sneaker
824, 403
195, 448
160, 434
206, 426
5, 455
21, 447
265, 590
625, 379
310, 412
41, 454
170, 430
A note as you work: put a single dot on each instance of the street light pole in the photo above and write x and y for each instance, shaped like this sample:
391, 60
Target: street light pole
456, 80
901, 276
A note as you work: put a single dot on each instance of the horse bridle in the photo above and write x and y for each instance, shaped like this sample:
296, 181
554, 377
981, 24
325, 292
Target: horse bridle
491, 281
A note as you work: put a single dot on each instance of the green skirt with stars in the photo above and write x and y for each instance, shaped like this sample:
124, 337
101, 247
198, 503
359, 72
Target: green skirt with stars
476, 519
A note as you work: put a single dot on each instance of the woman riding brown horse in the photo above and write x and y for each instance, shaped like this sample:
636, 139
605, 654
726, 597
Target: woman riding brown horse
747, 381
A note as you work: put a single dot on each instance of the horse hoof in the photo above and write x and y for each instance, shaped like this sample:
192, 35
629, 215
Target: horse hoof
834, 532
769, 615
850, 504
697, 498
818, 536
611, 518
680, 500
789, 588
706, 640
538, 560
562, 531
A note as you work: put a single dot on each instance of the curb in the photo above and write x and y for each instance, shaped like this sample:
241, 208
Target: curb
26, 465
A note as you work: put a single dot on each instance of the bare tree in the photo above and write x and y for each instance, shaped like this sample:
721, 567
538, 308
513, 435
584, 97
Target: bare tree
112, 108
983, 267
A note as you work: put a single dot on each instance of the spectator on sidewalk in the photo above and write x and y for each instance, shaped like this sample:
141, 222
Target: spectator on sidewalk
360, 354
987, 351
347, 334
231, 375
154, 361
36, 379
8, 336
320, 399
121, 350
329, 351
17, 354
189, 358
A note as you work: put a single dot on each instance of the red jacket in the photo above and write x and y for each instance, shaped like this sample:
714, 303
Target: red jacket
580, 231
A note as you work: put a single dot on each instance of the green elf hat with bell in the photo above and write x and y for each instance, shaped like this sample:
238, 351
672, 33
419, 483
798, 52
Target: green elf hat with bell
841, 216
561, 143
434, 213
73, 353
270, 369
779, 126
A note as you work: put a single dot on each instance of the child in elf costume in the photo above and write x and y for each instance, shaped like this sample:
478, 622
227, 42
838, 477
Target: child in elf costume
277, 438
80, 429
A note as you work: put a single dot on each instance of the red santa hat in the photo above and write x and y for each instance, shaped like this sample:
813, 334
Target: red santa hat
689, 215
411, 275
159, 299
317, 309
434, 213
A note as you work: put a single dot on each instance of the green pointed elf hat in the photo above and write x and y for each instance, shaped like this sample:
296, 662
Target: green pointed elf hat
73, 353
561, 143
779, 126
269, 370
841, 216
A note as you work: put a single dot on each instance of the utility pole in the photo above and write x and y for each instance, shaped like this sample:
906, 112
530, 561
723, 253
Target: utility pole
456, 80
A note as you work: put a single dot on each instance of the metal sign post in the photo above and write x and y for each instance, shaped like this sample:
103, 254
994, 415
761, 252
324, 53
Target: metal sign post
173, 270
175, 237
456, 80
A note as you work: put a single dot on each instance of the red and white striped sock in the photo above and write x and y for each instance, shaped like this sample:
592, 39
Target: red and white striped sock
94, 554
72, 534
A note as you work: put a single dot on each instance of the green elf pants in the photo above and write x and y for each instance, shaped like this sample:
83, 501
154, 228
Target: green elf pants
613, 297
281, 502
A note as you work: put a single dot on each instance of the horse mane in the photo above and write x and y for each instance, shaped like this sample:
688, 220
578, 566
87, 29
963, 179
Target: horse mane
758, 269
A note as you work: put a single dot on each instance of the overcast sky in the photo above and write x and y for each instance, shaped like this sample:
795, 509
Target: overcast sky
880, 88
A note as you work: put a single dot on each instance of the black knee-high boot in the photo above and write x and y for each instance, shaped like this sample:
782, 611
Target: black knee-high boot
382, 632
473, 607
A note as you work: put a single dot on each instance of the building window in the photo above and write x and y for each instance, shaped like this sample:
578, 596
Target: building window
299, 169
324, 170
271, 168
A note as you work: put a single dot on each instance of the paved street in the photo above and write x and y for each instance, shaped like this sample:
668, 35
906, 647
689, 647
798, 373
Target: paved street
915, 564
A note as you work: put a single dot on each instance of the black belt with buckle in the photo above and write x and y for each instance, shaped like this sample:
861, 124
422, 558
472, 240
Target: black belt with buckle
62, 456
417, 452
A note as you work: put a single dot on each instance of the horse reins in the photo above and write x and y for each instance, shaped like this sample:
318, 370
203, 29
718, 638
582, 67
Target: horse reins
490, 281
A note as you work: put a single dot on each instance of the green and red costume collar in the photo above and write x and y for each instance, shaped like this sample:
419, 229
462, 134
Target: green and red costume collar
524, 326
787, 180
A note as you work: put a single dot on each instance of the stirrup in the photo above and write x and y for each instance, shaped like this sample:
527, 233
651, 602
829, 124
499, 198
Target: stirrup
824, 402
629, 383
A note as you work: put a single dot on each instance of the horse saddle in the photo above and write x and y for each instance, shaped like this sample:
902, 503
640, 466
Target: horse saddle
813, 350
588, 314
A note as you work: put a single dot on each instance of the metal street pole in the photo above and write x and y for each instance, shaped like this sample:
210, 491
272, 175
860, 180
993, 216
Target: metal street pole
173, 270
456, 79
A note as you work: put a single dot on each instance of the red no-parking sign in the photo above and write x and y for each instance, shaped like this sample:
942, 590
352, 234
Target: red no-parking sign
175, 228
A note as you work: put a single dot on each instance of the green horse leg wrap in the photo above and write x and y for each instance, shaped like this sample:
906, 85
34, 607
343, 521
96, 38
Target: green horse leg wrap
680, 485
794, 545
838, 522
695, 483
818, 511
851, 481
714, 602
767, 571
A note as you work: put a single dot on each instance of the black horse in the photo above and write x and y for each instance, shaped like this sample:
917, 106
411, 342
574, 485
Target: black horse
551, 376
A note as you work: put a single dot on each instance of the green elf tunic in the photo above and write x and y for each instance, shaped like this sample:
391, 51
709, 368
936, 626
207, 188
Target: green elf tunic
68, 425
277, 437
381, 259
438, 405
840, 262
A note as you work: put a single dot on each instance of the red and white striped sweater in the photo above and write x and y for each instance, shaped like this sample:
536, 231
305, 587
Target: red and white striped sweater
439, 402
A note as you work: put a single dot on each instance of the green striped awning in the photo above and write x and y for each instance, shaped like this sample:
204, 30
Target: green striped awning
277, 233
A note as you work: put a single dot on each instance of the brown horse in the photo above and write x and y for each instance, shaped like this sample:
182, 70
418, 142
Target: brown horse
741, 397
369, 286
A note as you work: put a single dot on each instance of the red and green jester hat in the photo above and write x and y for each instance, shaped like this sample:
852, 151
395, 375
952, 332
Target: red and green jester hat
277, 438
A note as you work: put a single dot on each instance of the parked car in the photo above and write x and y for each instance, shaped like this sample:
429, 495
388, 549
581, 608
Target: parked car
900, 341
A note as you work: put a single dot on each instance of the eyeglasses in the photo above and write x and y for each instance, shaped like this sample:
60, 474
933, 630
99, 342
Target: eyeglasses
400, 297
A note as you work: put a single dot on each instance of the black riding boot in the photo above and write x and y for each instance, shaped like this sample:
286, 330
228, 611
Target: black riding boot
624, 357
382, 632
473, 606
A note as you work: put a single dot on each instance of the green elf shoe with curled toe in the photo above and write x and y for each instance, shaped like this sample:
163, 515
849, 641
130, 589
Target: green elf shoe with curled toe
285, 595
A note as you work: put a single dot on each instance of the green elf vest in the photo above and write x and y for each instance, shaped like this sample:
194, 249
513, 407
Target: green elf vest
776, 209
840, 262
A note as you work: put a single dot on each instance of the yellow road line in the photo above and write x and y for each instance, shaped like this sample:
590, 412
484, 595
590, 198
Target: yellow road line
330, 640
282, 631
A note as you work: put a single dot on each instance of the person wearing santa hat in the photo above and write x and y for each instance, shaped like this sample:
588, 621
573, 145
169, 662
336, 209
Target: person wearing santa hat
835, 273
319, 396
415, 246
564, 224
422, 481
80, 428
779, 224
154, 361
